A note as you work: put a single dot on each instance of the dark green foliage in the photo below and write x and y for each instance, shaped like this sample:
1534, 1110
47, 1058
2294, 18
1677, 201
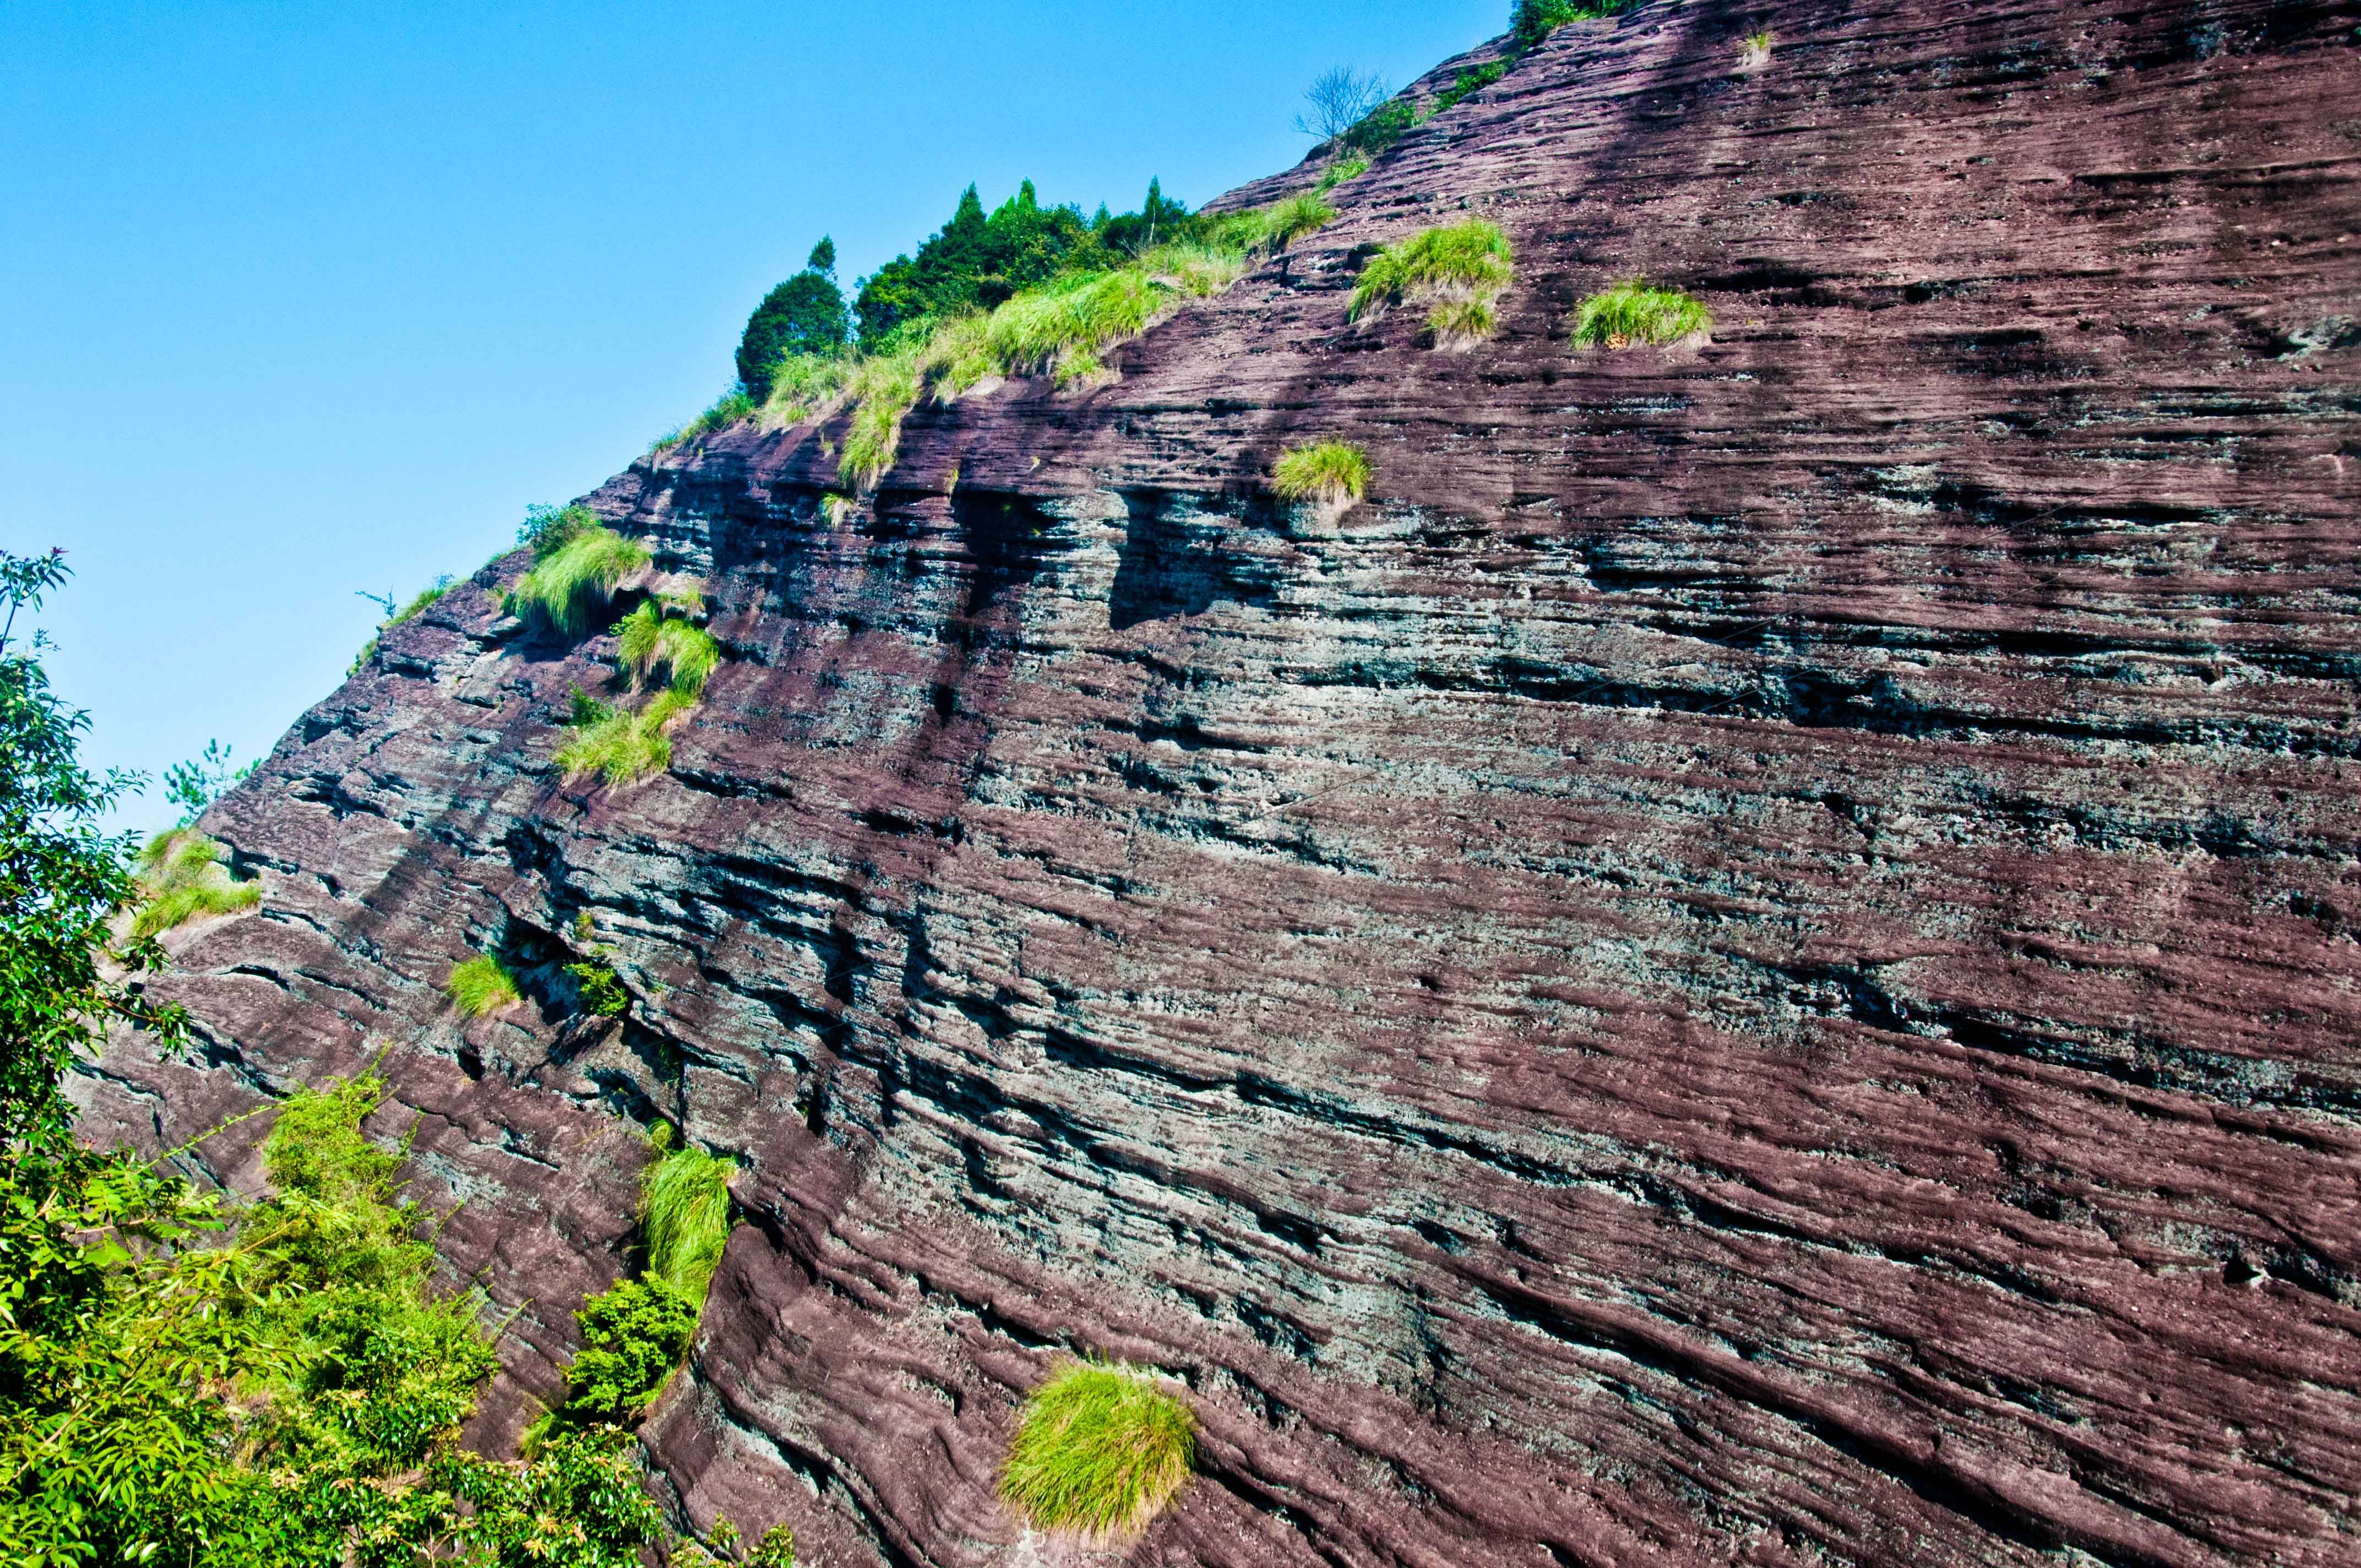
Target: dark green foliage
1381, 128
1471, 82
804, 315
633, 1335
195, 784
548, 529
978, 262
62, 881
1533, 20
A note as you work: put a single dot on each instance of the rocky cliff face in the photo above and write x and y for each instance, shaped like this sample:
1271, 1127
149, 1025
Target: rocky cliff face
1755, 960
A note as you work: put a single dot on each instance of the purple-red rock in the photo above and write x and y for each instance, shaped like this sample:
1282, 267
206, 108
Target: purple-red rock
1754, 961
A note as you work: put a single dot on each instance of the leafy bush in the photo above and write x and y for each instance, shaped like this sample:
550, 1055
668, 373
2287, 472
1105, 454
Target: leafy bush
1326, 471
195, 784
648, 639
1472, 80
684, 1216
802, 318
633, 1335
1468, 261
1351, 166
1100, 1451
180, 877
617, 743
1533, 20
599, 988
481, 985
548, 529
1632, 312
570, 583
1381, 128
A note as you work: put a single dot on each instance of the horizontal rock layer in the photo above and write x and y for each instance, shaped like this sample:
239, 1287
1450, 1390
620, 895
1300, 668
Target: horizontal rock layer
1754, 961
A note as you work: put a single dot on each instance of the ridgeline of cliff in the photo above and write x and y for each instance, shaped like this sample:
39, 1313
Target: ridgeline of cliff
1758, 958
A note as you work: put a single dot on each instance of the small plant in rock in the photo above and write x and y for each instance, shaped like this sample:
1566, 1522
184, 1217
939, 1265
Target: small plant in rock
659, 637
1100, 1451
1325, 471
1470, 82
1350, 167
1533, 20
730, 408
571, 581
633, 1335
1754, 49
684, 1216
1634, 312
181, 877
1339, 100
617, 743
1469, 261
482, 985
1380, 128
598, 986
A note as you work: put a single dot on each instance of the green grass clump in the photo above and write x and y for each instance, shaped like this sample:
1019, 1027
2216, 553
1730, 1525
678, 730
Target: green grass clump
1100, 1451
1326, 471
1351, 166
482, 985
1633, 313
804, 384
1455, 261
1198, 270
566, 587
728, 410
650, 640
1381, 128
1460, 323
1754, 49
1063, 328
181, 877
617, 743
1470, 83
685, 1217
1534, 20
884, 388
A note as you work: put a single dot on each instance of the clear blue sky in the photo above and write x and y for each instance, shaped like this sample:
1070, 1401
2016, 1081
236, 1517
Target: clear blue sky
297, 299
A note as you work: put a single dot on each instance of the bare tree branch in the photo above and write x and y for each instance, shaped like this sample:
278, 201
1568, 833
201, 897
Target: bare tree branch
1339, 100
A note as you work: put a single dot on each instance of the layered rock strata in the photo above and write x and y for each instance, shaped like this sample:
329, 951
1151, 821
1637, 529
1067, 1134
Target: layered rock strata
1754, 961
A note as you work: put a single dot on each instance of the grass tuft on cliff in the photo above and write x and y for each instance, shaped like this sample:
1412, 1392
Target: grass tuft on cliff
728, 410
181, 877
685, 1217
569, 583
1326, 471
481, 985
617, 743
1633, 313
650, 640
1099, 1451
1449, 264
1534, 20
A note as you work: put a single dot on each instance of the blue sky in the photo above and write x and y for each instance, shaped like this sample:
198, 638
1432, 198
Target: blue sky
300, 300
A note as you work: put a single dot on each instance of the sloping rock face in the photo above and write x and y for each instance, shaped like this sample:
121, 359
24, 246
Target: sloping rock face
1755, 960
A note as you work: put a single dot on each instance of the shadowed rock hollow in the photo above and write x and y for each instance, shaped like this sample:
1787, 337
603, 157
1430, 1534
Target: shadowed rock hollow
1754, 961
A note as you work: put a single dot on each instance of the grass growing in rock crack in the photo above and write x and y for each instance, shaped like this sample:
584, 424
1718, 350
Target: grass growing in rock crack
1634, 312
569, 583
482, 985
650, 640
1453, 265
1325, 471
1754, 49
617, 743
181, 877
1100, 1451
685, 1217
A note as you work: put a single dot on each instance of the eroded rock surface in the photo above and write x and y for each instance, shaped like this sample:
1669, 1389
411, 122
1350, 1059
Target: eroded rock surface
1754, 962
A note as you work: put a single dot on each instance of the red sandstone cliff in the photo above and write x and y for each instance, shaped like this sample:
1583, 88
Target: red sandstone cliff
1754, 962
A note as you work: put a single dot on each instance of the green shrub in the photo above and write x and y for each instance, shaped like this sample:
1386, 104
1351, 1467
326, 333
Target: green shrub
633, 1335
568, 584
181, 877
1100, 1451
1534, 20
1633, 313
1381, 128
648, 640
1466, 261
685, 1217
1471, 82
617, 743
599, 988
547, 529
480, 985
1326, 471
1351, 166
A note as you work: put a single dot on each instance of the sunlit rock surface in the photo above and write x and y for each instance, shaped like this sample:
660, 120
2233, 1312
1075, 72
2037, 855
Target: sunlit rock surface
1754, 961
